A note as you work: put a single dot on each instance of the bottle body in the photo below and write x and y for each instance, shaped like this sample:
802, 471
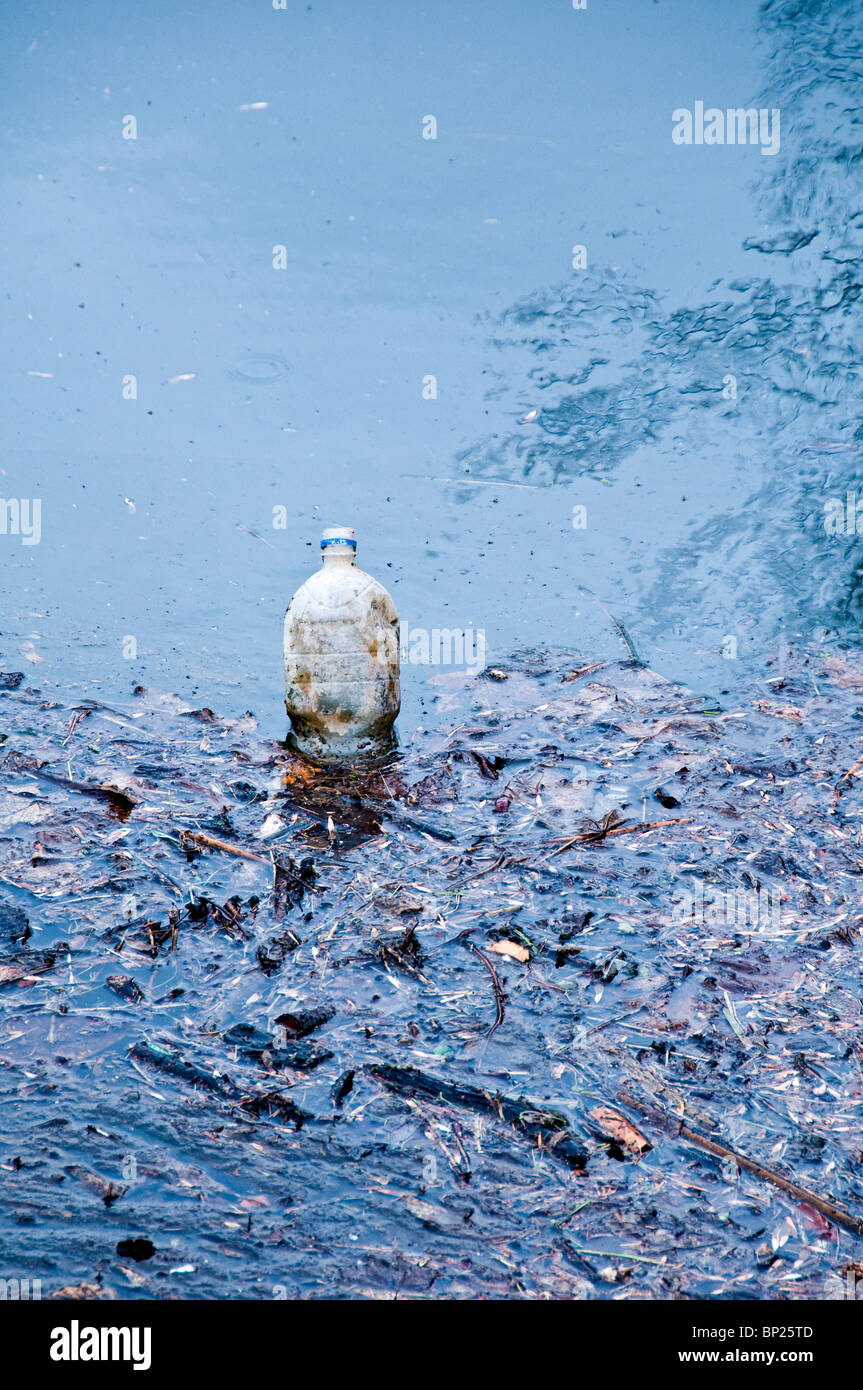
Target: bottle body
342, 689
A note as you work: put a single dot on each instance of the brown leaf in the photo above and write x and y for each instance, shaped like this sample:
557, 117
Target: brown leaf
512, 949
82, 1291
778, 711
110, 1192
814, 1218
615, 1126
486, 769
843, 672
25, 965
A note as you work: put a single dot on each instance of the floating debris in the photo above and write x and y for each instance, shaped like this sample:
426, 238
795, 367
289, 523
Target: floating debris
191, 1016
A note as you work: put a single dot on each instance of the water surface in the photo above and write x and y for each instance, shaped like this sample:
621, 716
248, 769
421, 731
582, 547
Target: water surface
407, 257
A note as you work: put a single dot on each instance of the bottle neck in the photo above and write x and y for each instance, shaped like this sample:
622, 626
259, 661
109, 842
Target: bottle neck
339, 555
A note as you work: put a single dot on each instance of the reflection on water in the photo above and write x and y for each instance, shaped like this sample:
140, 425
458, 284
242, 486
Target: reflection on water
759, 384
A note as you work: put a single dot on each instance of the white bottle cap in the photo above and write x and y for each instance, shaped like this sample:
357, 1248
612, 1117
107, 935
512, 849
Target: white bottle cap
338, 536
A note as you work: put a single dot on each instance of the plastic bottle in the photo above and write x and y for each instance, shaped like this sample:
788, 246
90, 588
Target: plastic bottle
341, 657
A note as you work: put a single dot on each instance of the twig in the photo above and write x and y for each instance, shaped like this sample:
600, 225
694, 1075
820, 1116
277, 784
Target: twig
583, 671
626, 640
850, 773
160, 873
612, 1254
620, 830
499, 995
620, 628
846, 777
490, 870
827, 1207
200, 839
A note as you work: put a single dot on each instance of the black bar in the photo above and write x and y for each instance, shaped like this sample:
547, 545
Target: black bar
628, 1336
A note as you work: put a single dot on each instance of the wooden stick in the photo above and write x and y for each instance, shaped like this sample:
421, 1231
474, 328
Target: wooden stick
499, 995
210, 843
583, 671
846, 777
621, 830
850, 773
490, 870
827, 1207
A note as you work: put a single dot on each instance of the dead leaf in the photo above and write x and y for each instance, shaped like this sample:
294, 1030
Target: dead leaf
512, 949
8, 973
432, 1214
82, 1291
109, 1191
843, 672
27, 964
778, 711
615, 1126
815, 1219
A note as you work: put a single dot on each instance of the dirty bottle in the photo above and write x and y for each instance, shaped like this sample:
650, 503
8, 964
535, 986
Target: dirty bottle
341, 657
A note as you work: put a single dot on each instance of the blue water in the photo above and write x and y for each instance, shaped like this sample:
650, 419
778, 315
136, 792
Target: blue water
408, 257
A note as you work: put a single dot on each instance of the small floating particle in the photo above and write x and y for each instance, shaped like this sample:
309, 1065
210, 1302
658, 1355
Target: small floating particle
184, 376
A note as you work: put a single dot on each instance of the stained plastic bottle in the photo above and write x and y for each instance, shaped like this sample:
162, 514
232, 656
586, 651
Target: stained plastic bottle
342, 688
